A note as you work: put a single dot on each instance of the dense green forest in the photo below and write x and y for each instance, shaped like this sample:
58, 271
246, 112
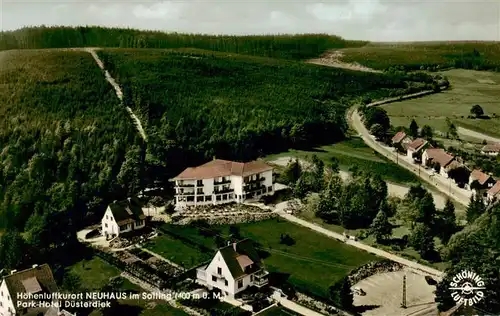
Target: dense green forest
67, 149
429, 56
277, 46
239, 107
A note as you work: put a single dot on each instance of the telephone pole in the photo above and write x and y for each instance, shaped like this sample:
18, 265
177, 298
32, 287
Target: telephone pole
403, 302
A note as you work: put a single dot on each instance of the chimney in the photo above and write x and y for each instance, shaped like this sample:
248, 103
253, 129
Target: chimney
34, 266
13, 271
214, 157
234, 246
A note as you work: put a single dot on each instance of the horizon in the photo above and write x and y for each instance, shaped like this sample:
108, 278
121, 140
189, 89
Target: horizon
371, 20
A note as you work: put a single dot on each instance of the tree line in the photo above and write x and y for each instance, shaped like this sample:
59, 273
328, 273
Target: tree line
298, 47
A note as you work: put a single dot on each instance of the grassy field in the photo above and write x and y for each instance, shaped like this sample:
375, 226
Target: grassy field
355, 153
94, 273
469, 87
415, 55
177, 252
331, 259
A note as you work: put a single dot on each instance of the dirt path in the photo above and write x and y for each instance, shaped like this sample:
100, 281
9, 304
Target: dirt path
118, 91
333, 58
477, 135
411, 264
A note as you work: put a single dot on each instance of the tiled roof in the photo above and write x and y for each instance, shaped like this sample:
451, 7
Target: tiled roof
440, 156
494, 147
479, 176
223, 168
495, 189
234, 256
417, 144
127, 211
454, 164
34, 280
398, 137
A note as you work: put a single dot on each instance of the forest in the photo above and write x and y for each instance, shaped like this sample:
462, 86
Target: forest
239, 107
297, 47
67, 149
431, 56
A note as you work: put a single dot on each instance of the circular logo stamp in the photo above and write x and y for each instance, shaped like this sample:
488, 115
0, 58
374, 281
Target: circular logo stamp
467, 287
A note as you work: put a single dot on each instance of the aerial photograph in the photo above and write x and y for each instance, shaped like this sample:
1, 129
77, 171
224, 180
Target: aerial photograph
249, 157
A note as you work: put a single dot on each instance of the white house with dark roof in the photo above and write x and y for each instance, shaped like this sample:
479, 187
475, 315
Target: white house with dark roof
222, 181
233, 269
121, 217
36, 280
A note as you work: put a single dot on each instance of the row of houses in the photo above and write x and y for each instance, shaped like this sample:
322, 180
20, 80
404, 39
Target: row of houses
421, 151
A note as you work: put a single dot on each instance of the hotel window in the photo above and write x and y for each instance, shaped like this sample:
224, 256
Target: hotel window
240, 284
199, 198
199, 182
269, 189
226, 283
105, 225
251, 278
217, 197
214, 278
208, 198
219, 271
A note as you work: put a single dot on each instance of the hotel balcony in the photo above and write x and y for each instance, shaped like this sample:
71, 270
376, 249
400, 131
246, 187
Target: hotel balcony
185, 193
258, 180
251, 189
260, 278
222, 191
185, 185
224, 181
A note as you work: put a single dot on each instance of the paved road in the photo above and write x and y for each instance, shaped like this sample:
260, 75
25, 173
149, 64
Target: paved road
118, 91
474, 134
411, 264
445, 186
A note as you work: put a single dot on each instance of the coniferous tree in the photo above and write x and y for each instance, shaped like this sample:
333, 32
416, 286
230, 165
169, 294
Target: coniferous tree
413, 129
475, 208
380, 227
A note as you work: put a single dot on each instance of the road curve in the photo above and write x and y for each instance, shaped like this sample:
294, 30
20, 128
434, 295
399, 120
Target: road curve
443, 185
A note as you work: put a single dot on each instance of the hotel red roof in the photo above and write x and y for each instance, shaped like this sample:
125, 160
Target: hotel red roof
223, 168
398, 137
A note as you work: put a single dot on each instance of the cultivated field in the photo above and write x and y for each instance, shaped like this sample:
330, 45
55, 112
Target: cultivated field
469, 87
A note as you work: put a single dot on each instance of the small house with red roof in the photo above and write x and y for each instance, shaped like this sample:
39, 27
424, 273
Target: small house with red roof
480, 182
492, 149
415, 147
400, 141
493, 194
223, 181
433, 157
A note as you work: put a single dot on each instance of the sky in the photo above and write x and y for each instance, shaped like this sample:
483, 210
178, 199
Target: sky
373, 20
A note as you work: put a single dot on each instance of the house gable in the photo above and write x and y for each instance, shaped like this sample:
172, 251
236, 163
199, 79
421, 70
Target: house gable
217, 263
